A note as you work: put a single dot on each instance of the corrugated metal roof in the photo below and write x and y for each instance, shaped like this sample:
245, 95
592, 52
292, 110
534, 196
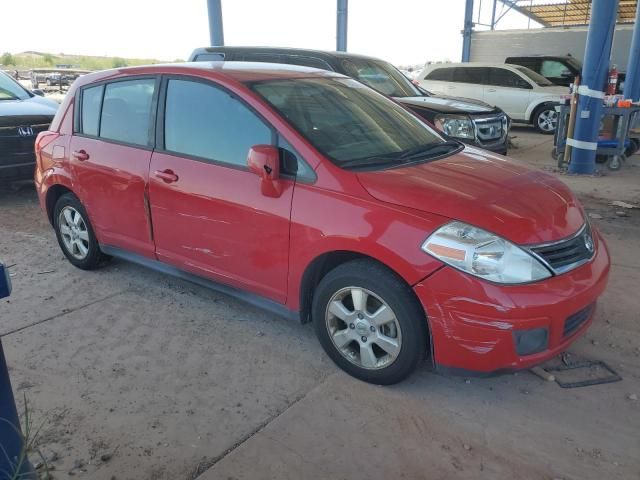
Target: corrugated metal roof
570, 12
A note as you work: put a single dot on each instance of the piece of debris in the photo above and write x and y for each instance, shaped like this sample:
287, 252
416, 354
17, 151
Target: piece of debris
620, 204
260, 334
595, 342
45, 272
597, 216
622, 213
105, 457
466, 447
467, 381
543, 374
633, 396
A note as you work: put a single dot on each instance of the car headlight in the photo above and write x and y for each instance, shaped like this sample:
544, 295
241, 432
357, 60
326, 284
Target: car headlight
483, 254
456, 126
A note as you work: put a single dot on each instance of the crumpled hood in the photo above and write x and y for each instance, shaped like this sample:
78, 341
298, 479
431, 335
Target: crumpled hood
447, 104
491, 192
24, 112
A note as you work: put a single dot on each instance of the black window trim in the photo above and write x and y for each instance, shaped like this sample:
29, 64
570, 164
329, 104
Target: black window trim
160, 118
77, 117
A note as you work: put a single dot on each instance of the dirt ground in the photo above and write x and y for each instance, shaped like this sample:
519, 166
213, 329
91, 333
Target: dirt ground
136, 375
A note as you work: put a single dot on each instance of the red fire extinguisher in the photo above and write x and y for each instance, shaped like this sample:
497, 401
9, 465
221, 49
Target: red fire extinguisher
612, 83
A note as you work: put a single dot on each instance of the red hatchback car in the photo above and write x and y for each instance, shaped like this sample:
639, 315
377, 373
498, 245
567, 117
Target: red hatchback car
308, 193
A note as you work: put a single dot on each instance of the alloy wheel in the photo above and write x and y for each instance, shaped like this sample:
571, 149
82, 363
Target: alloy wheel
363, 328
548, 120
74, 233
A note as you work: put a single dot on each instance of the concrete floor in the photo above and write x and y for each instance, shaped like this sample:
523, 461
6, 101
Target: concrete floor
136, 375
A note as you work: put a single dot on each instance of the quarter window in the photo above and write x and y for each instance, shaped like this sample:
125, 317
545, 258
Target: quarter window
205, 121
91, 100
126, 111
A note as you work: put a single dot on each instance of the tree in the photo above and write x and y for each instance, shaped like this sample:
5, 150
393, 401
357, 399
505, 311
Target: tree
48, 59
7, 59
119, 62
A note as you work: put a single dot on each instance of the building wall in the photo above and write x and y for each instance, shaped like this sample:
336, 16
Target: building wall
495, 46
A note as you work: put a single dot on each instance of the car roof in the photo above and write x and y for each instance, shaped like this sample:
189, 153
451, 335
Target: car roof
324, 54
237, 71
471, 64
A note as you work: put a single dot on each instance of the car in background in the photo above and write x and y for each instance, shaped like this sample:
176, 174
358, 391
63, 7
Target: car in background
316, 197
57, 78
558, 69
522, 93
23, 115
470, 121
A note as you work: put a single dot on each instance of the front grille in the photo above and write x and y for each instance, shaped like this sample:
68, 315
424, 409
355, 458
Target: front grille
572, 323
15, 144
490, 130
569, 253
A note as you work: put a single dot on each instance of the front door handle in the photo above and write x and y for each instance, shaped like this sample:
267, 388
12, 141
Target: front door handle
167, 176
491, 89
80, 155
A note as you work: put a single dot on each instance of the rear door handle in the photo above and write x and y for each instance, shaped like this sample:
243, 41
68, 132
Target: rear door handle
80, 155
167, 176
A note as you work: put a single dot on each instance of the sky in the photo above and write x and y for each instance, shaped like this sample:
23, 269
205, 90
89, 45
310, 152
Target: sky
404, 32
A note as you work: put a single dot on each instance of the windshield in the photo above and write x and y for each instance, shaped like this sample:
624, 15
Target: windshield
380, 76
11, 90
351, 124
536, 77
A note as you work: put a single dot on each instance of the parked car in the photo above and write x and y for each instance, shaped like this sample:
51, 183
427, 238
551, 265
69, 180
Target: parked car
312, 195
558, 69
522, 93
56, 78
23, 115
470, 121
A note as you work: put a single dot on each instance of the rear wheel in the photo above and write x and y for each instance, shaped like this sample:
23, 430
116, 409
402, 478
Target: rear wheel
369, 322
546, 119
75, 233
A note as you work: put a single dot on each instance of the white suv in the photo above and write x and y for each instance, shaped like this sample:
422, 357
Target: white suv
522, 93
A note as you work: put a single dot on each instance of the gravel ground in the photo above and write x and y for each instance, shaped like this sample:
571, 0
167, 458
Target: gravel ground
136, 375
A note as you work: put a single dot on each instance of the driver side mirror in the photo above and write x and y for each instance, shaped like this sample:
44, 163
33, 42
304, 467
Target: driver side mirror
264, 161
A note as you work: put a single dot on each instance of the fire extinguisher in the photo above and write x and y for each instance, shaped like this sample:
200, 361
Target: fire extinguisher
612, 83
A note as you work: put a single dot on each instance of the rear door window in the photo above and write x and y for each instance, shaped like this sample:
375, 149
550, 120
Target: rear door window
91, 104
440, 74
477, 75
126, 111
204, 121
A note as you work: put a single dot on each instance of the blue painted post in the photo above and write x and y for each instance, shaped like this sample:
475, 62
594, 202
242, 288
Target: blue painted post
216, 32
12, 465
632, 82
493, 15
591, 90
467, 30
341, 26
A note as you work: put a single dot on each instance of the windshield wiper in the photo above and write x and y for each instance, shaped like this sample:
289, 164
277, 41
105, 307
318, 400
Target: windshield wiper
429, 150
406, 156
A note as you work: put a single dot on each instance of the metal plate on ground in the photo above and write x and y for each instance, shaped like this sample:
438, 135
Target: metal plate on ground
583, 373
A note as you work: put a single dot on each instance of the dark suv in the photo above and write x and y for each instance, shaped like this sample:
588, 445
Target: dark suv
471, 121
558, 69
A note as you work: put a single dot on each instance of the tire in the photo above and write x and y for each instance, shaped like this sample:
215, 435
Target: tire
545, 119
383, 340
633, 147
72, 232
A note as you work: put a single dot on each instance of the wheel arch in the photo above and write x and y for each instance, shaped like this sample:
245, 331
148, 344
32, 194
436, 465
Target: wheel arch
54, 192
533, 109
324, 263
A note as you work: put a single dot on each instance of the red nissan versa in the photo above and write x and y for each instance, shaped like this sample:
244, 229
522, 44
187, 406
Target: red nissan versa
310, 194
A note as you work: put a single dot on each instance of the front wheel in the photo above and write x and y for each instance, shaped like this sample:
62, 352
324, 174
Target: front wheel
546, 120
369, 322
